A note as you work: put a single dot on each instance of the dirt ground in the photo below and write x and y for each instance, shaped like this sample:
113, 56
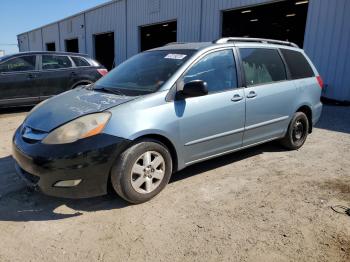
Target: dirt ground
260, 204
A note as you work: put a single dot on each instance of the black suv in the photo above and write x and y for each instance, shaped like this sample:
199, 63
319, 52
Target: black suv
30, 77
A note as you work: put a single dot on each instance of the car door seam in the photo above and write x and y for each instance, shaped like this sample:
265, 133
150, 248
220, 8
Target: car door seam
230, 151
204, 139
265, 123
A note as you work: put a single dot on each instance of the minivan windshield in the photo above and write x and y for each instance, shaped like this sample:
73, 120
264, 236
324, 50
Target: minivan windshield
144, 73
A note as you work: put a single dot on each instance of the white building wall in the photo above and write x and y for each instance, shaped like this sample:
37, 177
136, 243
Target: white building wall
35, 40
327, 42
146, 12
50, 35
23, 42
327, 35
212, 15
71, 28
108, 18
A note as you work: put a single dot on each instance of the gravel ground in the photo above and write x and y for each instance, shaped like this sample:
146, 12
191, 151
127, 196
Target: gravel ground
260, 204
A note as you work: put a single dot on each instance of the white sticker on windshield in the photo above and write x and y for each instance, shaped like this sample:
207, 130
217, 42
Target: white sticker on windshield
175, 56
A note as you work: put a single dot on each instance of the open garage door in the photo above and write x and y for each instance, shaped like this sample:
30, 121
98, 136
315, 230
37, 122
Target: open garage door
50, 46
104, 49
153, 36
72, 45
284, 20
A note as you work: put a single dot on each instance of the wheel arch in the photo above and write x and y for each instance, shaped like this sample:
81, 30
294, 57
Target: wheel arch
306, 109
82, 82
167, 142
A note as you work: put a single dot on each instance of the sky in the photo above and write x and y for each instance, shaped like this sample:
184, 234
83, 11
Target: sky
18, 16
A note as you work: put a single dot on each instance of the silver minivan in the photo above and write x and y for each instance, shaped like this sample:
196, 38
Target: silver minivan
165, 109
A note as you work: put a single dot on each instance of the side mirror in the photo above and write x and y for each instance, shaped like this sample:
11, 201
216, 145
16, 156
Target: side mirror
193, 89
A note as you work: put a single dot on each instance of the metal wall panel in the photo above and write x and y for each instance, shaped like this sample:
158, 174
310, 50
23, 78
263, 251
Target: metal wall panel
71, 28
145, 12
23, 43
327, 35
327, 42
212, 15
50, 35
35, 40
108, 18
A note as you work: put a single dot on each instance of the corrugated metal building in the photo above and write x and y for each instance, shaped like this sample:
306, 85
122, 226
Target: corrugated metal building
122, 28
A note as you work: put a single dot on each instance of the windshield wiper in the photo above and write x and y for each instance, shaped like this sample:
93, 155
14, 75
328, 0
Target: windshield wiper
109, 90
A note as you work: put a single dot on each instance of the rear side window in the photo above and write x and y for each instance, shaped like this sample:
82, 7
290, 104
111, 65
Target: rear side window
79, 61
298, 66
262, 66
217, 69
55, 62
19, 64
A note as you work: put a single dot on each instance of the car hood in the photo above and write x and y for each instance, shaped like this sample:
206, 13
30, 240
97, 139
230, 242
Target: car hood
67, 106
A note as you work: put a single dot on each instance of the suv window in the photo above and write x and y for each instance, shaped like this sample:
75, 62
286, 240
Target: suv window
298, 66
262, 66
55, 62
19, 64
218, 69
79, 61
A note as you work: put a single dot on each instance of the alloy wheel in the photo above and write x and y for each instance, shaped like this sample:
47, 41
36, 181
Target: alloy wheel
147, 172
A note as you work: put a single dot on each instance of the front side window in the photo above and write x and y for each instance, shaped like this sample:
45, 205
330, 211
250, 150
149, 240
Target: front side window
79, 61
262, 66
19, 64
217, 69
144, 73
55, 62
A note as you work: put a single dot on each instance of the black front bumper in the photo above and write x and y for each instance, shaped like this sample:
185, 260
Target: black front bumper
88, 159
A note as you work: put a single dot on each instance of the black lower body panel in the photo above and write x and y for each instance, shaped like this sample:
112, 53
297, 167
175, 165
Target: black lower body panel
89, 160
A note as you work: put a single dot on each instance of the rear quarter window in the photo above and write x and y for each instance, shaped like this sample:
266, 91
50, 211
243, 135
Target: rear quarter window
79, 61
298, 66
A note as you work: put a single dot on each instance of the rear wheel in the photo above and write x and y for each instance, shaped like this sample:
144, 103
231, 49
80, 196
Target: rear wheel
142, 171
297, 132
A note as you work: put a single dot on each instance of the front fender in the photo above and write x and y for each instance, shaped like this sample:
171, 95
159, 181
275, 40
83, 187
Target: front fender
146, 116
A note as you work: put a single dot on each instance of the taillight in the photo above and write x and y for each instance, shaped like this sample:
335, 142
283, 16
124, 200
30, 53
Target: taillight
103, 71
320, 81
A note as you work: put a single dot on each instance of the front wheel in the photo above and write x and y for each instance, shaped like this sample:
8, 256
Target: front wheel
142, 171
297, 132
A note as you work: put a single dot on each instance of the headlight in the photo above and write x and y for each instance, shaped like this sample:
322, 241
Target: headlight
82, 127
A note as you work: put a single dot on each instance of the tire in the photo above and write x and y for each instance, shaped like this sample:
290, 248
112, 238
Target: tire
297, 132
133, 175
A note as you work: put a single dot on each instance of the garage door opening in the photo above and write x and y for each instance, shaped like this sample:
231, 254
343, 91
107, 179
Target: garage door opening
72, 45
104, 49
153, 36
283, 20
50, 47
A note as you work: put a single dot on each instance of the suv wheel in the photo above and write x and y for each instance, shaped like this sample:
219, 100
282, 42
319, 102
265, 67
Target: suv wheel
142, 171
297, 132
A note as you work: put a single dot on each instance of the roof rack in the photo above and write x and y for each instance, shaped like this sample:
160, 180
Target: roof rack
256, 40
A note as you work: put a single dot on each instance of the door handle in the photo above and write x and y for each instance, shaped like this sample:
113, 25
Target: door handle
251, 94
236, 98
31, 76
